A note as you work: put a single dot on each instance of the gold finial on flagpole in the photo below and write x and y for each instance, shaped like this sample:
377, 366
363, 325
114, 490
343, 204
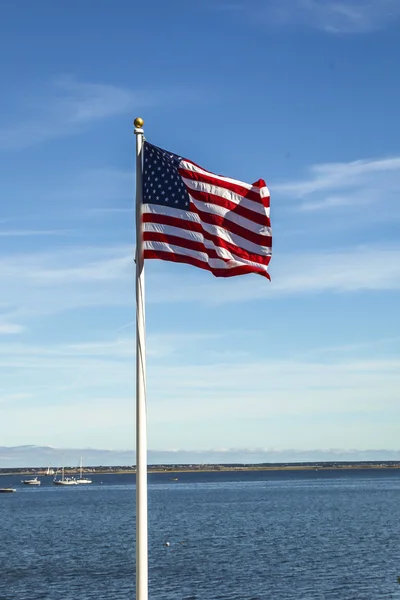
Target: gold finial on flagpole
138, 122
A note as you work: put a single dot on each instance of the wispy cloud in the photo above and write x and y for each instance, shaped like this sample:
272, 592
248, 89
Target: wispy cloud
350, 16
82, 277
358, 184
6, 398
331, 176
10, 328
85, 102
189, 392
112, 361
159, 345
357, 347
101, 193
66, 198
355, 269
332, 16
66, 106
31, 232
59, 280
53, 382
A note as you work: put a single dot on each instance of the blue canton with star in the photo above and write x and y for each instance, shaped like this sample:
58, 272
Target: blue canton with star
162, 183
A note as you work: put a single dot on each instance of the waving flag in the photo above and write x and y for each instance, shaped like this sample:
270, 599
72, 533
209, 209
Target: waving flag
193, 216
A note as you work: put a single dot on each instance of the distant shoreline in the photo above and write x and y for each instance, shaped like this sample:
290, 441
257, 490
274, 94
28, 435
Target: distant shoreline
174, 469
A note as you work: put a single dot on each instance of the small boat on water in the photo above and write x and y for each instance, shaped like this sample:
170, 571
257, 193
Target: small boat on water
34, 481
64, 480
7, 490
82, 479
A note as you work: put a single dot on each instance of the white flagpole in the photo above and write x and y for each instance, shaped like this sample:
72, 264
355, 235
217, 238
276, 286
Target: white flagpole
141, 420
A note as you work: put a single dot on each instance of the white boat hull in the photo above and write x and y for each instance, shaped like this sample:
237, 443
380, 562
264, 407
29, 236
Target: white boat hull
65, 482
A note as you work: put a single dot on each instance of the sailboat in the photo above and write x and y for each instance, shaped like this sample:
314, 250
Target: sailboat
49, 471
82, 479
64, 480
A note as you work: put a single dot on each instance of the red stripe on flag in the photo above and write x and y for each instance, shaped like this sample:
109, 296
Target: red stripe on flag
233, 187
196, 226
167, 238
241, 211
213, 219
179, 258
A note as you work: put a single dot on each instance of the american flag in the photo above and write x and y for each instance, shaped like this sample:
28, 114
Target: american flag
193, 216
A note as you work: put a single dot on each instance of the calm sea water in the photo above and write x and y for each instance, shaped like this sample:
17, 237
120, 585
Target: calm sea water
233, 536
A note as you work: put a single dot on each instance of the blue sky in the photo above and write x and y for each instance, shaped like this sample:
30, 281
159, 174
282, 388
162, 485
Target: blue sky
304, 94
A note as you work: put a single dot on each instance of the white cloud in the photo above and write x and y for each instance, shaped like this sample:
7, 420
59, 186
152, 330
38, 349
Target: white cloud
332, 16
354, 269
72, 278
31, 232
59, 280
363, 190
71, 197
10, 328
55, 383
183, 390
64, 371
157, 345
101, 184
336, 176
6, 398
66, 106
349, 16
84, 102
360, 347
63, 108
232, 380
